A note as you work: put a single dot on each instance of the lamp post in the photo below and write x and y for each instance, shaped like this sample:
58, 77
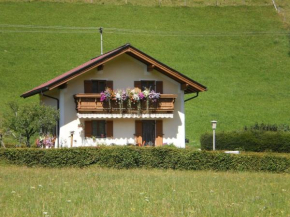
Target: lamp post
213, 125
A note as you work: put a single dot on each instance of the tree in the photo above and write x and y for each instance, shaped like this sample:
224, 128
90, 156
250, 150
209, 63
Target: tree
25, 121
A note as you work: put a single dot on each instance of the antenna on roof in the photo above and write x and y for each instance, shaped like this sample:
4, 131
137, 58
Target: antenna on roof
101, 31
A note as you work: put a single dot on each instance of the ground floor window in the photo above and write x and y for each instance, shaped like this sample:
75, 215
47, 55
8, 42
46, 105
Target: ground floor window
99, 128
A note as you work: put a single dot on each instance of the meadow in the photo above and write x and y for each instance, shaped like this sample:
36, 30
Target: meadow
170, 3
97, 191
241, 53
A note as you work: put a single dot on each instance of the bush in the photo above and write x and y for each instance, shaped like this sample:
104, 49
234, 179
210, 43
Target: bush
137, 157
256, 141
269, 127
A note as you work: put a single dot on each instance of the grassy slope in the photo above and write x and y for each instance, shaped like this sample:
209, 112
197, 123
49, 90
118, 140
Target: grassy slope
246, 75
108, 192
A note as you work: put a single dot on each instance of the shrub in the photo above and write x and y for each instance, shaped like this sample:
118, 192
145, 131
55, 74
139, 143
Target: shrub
151, 157
269, 127
256, 141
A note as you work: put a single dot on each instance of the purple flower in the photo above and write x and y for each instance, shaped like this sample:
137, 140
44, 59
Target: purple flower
106, 95
103, 97
141, 95
124, 95
154, 96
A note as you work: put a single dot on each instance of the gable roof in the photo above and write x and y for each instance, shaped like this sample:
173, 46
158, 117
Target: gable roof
191, 85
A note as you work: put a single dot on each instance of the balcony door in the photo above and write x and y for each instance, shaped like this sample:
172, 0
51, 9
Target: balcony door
148, 133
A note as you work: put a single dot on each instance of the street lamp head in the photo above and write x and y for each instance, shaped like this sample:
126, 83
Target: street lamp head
213, 125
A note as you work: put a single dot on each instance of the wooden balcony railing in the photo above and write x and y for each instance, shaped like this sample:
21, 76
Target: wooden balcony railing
90, 102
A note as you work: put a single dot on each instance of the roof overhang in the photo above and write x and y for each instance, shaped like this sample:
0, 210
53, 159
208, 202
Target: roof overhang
190, 86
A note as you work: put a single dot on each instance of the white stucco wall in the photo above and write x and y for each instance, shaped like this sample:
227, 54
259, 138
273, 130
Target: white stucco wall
123, 70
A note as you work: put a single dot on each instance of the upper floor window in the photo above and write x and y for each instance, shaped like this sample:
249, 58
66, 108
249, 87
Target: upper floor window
148, 84
157, 86
97, 86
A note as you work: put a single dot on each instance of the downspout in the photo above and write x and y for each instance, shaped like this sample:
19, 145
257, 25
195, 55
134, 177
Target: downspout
57, 105
192, 97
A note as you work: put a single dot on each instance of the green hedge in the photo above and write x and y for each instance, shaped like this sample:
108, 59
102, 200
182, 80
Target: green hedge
135, 157
256, 141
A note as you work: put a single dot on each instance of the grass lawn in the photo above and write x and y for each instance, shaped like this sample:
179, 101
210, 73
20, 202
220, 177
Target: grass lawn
106, 192
241, 53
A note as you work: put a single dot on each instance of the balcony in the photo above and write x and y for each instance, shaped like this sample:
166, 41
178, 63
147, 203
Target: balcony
90, 103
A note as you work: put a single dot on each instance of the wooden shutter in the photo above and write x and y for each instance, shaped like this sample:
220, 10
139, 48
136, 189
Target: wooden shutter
159, 133
159, 87
138, 132
137, 84
109, 129
88, 86
88, 128
109, 84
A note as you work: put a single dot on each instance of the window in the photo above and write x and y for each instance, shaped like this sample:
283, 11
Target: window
148, 84
99, 129
157, 86
98, 86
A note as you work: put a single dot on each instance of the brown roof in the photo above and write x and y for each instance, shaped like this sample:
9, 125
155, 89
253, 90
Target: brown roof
192, 86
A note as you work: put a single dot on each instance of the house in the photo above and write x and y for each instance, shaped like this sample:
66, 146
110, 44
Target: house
87, 119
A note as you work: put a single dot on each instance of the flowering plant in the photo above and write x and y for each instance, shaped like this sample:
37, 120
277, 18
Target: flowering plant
146, 92
153, 96
120, 95
45, 141
135, 95
130, 96
106, 95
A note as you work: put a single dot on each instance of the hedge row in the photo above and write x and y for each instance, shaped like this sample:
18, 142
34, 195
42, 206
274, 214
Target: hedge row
135, 157
256, 141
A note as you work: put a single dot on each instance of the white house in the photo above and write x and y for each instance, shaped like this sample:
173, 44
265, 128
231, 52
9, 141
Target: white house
86, 120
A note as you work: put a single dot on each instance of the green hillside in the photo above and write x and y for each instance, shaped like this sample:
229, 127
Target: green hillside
241, 53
